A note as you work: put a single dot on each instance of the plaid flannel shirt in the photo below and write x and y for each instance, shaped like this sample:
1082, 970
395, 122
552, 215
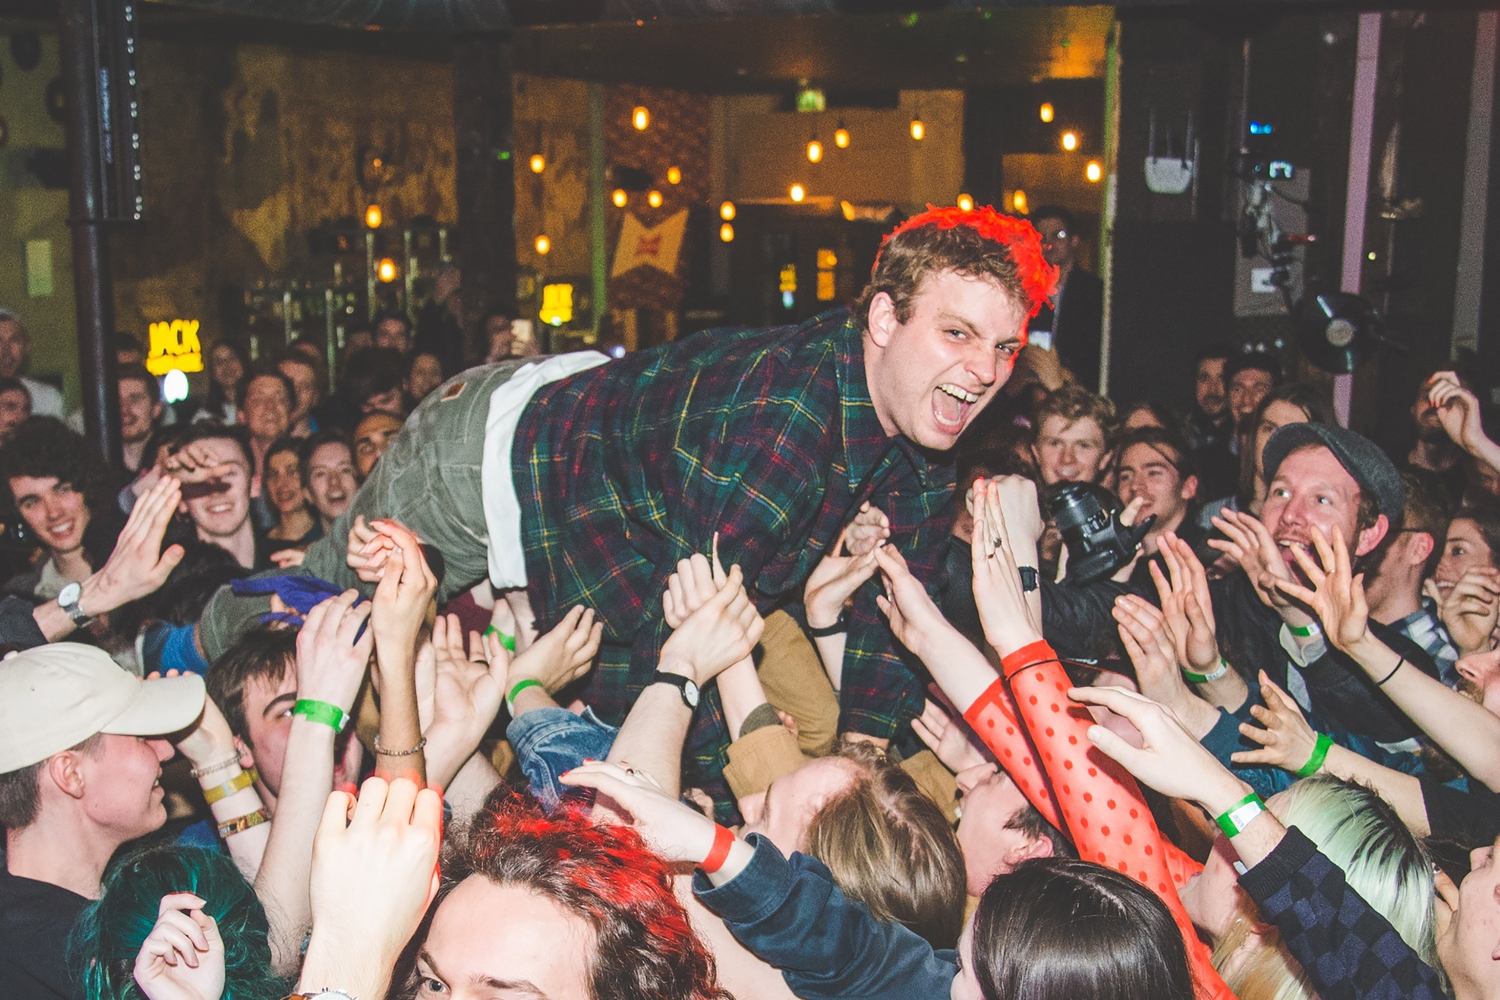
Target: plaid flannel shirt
767, 437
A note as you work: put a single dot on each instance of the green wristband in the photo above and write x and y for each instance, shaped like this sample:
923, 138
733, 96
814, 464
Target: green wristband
327, 713
510, 699
1306, 631
1238, 816
506, 640
1197, 678
1319, 755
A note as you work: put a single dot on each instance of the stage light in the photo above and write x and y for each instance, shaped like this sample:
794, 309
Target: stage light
841, 137
797, 192
373, 216
654, 199
538, 163
174, 386
1018, 201
918, 130
386, 270
640, 118
726, 211
726, 233
674, 175
1093, 171
1045, 112
619, 197
1070, 141
814, 151
966, 203
543, 245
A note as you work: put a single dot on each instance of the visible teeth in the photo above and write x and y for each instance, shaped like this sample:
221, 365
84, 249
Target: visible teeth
957, 393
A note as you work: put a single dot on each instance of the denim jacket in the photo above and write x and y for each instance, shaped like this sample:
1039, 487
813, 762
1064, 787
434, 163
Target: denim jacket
790, 914
550, 741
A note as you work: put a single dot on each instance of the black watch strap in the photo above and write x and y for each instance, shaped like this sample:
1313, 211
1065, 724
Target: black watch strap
841, 624
686, 685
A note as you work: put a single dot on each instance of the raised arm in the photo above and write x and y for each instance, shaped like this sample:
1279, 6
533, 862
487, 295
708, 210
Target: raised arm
1467, 731
331, 665
401, 600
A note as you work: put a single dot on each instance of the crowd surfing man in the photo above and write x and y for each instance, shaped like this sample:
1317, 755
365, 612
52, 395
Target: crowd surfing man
771, 438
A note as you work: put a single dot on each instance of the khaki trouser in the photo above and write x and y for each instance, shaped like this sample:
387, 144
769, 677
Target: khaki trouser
795, 682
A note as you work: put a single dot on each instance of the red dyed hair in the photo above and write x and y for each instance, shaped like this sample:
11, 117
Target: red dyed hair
977, 241
644, 946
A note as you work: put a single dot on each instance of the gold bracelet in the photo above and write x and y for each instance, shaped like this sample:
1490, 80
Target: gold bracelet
240, 824
399, 753
238, 783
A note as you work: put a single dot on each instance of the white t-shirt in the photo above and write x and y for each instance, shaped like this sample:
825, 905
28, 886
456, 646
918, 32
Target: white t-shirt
45, 400
502, 510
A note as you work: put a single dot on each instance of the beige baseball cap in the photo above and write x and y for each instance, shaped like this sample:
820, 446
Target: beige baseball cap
56, 696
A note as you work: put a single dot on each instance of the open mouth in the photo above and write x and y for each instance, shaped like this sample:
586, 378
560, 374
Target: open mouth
951, 406
60, 530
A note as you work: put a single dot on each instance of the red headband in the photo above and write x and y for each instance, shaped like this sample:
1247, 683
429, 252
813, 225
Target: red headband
1018, 236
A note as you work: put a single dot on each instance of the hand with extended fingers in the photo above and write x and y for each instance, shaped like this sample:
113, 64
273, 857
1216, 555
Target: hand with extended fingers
719, 625
842, 571
562, 655
1287, 741
1004, 611
947, 739
1336, 596
1250, 544
1471, 609
1186, 605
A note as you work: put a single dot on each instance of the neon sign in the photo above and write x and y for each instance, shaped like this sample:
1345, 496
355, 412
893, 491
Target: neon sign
174, 345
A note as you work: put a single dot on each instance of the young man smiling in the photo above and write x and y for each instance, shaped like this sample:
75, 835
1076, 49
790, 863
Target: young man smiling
770, 438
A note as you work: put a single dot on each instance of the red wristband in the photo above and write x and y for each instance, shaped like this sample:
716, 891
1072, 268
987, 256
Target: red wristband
1036, 652
719, 853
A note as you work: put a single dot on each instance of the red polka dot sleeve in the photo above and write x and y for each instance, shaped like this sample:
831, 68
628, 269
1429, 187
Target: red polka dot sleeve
1050, 758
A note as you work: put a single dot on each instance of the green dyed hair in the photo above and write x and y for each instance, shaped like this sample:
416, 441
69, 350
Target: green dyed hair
108, 935
1382, 861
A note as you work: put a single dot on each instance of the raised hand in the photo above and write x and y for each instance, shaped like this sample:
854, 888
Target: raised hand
915, 619
367, 550
841, 572
1458, 409
1186, 605
196, 463
676, 831
1287, 741
210, 740
1471, 610
1004, 611
467, 693
183, 956
1249, 543
331, 661
688, 589
1337, 598
137, 566
374, 872
405, 589
718, 634
947, 739
1170, 759
561, 656
1143, 630
869, 530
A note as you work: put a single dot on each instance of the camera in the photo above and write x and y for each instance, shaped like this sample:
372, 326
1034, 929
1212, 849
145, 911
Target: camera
1088, 517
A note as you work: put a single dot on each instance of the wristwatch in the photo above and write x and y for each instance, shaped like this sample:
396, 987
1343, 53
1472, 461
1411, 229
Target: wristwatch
688, 686
68, 599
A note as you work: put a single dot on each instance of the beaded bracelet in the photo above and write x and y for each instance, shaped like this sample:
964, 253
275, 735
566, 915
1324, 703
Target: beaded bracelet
399, 753
218, 765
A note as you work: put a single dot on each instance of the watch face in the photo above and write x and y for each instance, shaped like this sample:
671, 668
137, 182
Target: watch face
690, 692
69, 594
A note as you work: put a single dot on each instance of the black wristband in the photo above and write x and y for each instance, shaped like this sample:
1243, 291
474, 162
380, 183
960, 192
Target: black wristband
1028, 578
841, 624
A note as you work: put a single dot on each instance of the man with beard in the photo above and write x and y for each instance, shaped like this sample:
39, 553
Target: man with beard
1434, 450
571, 481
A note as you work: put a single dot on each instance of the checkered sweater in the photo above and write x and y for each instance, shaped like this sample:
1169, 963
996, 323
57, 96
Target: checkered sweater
1349, 951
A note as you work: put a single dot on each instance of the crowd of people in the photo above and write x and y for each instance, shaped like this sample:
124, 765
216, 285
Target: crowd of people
750, 665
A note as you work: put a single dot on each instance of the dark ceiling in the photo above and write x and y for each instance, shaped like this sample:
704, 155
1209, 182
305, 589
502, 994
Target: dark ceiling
870, 52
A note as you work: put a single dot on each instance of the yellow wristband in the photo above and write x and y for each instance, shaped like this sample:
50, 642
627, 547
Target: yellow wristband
238, 783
